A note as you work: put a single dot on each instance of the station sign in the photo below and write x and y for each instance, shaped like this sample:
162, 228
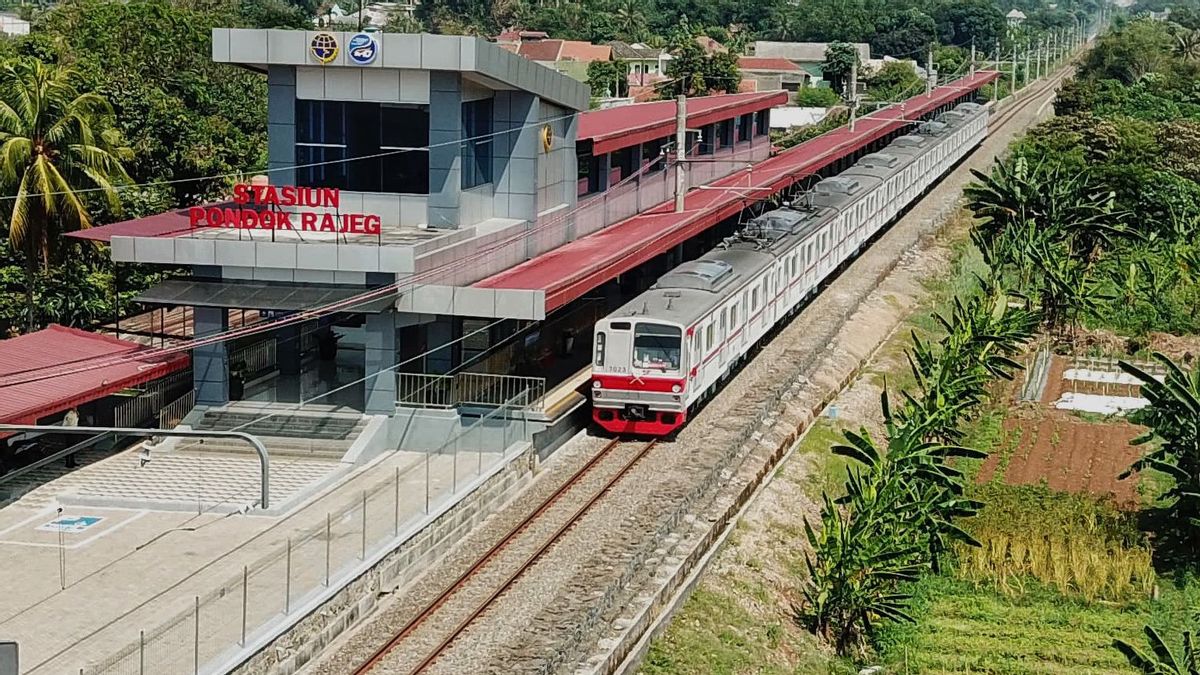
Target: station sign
262, 207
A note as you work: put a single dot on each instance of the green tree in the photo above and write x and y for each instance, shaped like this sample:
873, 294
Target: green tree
1173, 418
895, 81
693, 72
962, 22
904, 33
55, 143
840, 58
630, 18
608, 77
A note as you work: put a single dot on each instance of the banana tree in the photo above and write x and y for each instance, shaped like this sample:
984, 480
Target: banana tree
1161, 660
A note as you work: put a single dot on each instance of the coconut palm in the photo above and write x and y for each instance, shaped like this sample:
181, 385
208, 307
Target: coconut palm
58, 147
631, 19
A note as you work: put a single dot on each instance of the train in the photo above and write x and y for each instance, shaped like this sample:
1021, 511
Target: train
659, 356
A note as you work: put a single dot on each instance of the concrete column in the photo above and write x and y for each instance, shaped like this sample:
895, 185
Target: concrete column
210, 363
380, 355
281, 124
515, 171
287, 347
445, 133
570, 168
438, 336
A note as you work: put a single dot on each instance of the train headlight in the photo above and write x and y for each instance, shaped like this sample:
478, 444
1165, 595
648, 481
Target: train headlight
676, 388
595, 384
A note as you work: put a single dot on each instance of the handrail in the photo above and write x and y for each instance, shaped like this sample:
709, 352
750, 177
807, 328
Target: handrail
264, 460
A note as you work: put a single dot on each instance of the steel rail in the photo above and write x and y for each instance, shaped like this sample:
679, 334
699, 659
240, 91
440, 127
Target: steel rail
412, 625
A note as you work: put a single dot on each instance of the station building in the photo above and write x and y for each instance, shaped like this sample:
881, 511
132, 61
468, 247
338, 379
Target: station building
415, 168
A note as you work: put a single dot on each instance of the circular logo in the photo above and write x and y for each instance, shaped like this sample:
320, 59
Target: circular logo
362, 48
324, 47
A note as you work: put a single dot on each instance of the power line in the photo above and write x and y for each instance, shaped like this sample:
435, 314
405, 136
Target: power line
349, 304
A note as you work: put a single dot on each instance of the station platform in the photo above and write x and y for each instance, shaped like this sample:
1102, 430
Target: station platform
571, 270
196, 591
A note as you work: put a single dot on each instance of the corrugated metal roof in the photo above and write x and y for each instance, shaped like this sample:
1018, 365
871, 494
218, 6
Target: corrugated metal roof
567, 272
37, 377
767, 63
627, 125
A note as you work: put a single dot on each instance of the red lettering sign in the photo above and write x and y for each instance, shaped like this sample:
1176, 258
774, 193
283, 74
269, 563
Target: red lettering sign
246, 217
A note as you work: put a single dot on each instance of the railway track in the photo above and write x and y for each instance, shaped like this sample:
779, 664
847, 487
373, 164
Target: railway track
424, 637
487, 622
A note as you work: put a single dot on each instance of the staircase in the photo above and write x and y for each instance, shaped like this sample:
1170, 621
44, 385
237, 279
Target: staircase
311, 434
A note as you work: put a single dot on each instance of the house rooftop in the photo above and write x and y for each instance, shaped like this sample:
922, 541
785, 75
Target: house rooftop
804, 52
767, 63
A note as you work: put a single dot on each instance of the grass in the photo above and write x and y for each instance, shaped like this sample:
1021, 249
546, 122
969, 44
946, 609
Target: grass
823, 435
965, 628
713, 635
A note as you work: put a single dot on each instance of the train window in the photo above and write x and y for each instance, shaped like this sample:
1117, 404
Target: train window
754, 299
600, 339
724, 315
619, 325
733, 315
708, 338
657, 346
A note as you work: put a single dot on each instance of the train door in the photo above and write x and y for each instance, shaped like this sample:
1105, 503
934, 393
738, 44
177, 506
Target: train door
695, 359
619, 350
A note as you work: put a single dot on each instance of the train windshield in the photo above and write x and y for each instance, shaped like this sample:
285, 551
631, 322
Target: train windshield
657, 347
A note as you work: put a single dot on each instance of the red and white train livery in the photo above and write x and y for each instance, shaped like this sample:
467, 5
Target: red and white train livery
669, 348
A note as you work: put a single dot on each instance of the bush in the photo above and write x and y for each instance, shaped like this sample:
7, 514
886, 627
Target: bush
817, 97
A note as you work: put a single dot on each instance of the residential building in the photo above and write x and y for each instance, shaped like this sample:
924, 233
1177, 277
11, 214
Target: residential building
647, 65
569, 57
771, 73
808, 55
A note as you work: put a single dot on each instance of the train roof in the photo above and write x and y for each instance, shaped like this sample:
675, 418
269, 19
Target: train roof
691, 290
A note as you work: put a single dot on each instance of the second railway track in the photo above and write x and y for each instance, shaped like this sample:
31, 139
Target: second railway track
425, 636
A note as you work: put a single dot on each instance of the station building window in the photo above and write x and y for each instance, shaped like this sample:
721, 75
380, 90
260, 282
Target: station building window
652, 158
477, 143
745, 127
625, 160
365, 147
587, 168
725, 133
708, 139
762, 124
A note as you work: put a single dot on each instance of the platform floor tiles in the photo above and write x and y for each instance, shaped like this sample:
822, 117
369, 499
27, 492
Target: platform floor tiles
181, 480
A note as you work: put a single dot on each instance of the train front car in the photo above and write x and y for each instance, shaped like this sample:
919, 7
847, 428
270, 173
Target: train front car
639, 374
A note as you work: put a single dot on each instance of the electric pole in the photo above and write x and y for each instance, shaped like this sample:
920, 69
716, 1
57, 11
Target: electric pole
853, 97
929, 76
680, 150
1028, 48
972, 56
1014, 69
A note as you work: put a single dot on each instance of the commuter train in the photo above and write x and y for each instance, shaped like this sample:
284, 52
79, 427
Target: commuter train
668, 349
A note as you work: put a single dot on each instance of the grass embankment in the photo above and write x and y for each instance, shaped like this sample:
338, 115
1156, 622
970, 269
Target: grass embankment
1044, 613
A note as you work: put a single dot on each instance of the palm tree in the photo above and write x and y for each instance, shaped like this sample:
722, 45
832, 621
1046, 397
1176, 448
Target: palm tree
631, 20
57, 146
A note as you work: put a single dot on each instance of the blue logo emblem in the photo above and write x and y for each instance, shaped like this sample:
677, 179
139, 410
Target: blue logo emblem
362, 48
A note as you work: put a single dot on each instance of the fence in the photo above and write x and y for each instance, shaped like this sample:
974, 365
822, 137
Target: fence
256, 358
173, 413
144, 407
1102, 375
484, 389
209, 629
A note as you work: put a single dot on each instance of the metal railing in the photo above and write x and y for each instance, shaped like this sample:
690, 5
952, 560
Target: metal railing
256, 358
173, 413
481, 389
144, 407
214, 631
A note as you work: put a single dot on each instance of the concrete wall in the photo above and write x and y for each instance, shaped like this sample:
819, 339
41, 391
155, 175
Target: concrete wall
557, 175
420, 429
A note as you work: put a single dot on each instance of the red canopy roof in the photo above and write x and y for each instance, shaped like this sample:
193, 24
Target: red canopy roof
627, 125
37, 377
567, 272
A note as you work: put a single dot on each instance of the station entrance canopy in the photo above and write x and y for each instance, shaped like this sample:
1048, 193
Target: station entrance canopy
276, 296
59, 368
569, 271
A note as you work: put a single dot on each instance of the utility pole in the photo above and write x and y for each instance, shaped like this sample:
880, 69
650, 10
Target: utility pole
1028, 48
853, 98
1041, 49
1014, 70
680, 150
972, 56
929, 76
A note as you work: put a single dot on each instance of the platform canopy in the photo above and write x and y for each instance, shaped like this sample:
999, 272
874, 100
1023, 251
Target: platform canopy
276, 296
58, 368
